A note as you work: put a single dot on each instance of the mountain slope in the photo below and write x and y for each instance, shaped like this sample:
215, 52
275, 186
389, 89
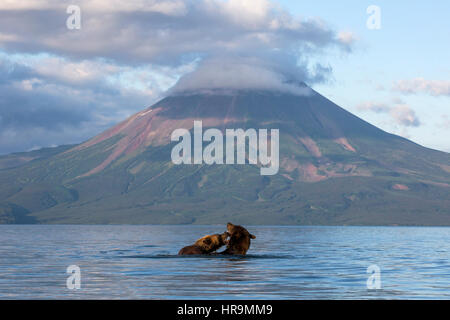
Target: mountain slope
334, 169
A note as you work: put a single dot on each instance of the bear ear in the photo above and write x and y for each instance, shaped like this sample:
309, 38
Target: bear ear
252, 236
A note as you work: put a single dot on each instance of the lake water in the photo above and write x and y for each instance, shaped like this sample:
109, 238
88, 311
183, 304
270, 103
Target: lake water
140, 262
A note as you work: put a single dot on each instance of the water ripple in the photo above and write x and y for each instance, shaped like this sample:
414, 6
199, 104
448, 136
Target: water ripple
141, 262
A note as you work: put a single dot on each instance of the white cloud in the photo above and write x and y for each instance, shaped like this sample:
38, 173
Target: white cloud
39, 106
420, 85
27, 4
173, 33
168, 7
4, 37
249, 13
242, 73
151, 31
73, 71
128, 52
347, 37
405, 116
374, 107
401, 113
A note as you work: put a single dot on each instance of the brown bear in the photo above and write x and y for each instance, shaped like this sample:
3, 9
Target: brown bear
239, 241
206, 245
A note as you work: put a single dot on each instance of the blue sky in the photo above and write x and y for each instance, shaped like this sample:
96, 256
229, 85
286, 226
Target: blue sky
413, 42
60, 86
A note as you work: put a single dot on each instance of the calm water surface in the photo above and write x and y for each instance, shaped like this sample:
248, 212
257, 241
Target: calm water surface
140, 262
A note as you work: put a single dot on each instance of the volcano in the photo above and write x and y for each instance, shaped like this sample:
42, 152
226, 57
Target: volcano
334, 169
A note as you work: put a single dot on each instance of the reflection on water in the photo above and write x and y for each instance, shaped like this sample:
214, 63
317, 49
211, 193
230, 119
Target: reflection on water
140, 262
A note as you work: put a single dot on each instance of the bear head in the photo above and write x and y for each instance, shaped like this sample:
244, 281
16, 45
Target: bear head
239, 241
211, 243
